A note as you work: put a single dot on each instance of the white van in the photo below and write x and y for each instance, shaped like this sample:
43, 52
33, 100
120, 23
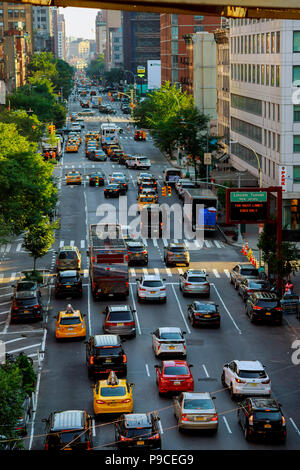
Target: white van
140, 162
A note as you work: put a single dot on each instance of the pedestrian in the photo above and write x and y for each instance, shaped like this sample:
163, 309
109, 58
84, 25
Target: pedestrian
288, 287
47, 155
128, 128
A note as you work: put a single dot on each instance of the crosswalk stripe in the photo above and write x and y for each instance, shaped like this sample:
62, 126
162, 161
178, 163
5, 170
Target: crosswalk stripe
8, 247
145, 271
175, 240
155, 242
216, 273
2, 248
72, 243
168, 271
207, 244
82, 244
165, 241
156, 270
61, 244
19, 247
86, 273
1, 277
132, 272
180, 270
227, 272
217, 244
13, 276
144, 240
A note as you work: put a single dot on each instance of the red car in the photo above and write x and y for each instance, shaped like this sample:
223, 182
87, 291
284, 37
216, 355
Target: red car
174, 376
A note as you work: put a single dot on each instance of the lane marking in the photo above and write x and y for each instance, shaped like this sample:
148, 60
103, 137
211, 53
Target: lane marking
227, 425
82, 244
132, 271
217, 244
8, 247
295, 427
144, 240
156, 270
180, 270
135, 313
183, 317
13, 340
147, 370
161, 428
165, 242
207, 244
93, 427
155, 242
168, 271
226, 309
61, 244
72, 243
145, 271
25, 347
227, 272
205, 370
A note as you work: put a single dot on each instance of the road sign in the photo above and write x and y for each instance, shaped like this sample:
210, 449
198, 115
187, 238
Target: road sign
248, 206
207, 159
141, 70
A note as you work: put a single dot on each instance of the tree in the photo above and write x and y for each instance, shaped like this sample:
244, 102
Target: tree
64, 78
39, 239
11, 399
27, 189
28, 126
28, 374
115, 75
95, 69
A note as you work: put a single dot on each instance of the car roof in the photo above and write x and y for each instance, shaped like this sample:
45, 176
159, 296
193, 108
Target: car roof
106, 340
119, 308
201, 302
170, 329
68, 248
196, 272
70, 273
151, 277
191, 395
247, 266
249, 365
135, 420
179, 244
265, 295
74, 314
68, 420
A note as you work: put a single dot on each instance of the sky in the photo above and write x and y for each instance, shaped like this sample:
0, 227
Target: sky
80, 22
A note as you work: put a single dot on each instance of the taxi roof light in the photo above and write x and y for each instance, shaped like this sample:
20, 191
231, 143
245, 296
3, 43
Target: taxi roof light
112, 379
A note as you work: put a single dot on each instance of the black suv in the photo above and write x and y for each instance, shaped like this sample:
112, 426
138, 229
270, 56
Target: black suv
68, 430
105, 353
68, 283
262, 417
262, 306
138, 430
204, 313
26, 302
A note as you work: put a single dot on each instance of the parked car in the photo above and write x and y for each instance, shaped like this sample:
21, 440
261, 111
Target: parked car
241, 272
264, 306
248, 286
26, 302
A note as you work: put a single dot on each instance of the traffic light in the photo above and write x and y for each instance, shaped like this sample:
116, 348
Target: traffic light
97, 180
99, 100
51, 129
164, 191
169, 190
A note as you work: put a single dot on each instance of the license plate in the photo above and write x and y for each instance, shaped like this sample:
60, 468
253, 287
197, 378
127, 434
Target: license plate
140, 443
178, 256
70, 329
268, 313
253, 385
153, 292
267, 426
26, 311
176, 383
199, 418
207, 316
68, 286
171, 347
120, 324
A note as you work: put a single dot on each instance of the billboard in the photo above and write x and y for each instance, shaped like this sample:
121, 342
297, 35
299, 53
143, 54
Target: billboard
154, 74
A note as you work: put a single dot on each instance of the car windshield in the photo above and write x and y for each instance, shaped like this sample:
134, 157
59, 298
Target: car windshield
204, 307
108, 351
146, 199
67, 255
258, 285
135, 249
112, 186
120, 316
267, 415
187, 185
68, 280
166, 335
26, 286
249, 272
196, 279
198, 404
152, 284
22, 295
72, 437
267, 303
141, 432
252, 374
113, 391
176, 370
70, 321
177, 249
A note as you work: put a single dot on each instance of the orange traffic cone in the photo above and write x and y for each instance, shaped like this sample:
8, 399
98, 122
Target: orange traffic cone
243, 250
246, 247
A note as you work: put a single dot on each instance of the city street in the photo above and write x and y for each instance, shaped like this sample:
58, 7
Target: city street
64, 384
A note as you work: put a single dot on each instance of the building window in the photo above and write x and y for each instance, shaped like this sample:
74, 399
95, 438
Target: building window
296, 113
174, 32
258, 74
242, 72
277, 75
278, 142
116, 39
246, 73
22, 13
249, 44
198, 29
246, 45
263, 43
267, 43
265, 137
262, 74
273, 42
274, 140
269, 110
254, 44
278, 42
296, 143
231, 71
242, 44
198, 18
249, 73
296, 74
174, 19
258, 43
278, 113
253, 74
244, 153
244, 103
1, 13
267, 74
247, 130
296, 41
10, 13
174, 47
272, 75
296, 174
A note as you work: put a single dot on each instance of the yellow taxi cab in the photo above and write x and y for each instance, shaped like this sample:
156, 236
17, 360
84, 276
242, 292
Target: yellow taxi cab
145, 200
70, 323
72, 146
111, 148
113, 395
92, 135
73, 177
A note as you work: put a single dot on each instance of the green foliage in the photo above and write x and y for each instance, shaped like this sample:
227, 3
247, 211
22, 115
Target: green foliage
11, 399
28, 374
64, 78
28, 126
27, 191
96, 67
114, 75
268, 244
39, 239
221, 193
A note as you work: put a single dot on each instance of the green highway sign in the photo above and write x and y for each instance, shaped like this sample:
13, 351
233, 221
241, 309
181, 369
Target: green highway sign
248, 196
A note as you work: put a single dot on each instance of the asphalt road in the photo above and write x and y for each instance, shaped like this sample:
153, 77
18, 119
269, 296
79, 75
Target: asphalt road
63, 381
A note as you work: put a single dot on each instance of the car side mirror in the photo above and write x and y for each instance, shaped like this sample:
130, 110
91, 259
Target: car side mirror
207, 275
134, 311
87, 252
191, 365
84, 315
55, 316
132, 384
164, 279
156, 366
45, 420
184, 332
213, 398
225, 365
123, 340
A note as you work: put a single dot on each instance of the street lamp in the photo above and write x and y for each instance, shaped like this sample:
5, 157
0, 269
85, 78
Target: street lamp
257, 158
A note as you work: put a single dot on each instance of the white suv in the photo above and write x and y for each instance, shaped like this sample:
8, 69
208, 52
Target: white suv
151, 288
138, 162
169, 341
246, 378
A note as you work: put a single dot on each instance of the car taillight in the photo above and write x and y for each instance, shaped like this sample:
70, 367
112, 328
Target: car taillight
109, 323
184, 417
156, 436
283, 420
92, 360
100, 402
187, 283
251, 420
130, 323
239, 381
214, 418
279, 309
123, 438
124, 358
46, 446
127, 400
256, 307
142, 289
266, 381
36, 306
57, 262
88, 445
144, 252
163, 288
250, 290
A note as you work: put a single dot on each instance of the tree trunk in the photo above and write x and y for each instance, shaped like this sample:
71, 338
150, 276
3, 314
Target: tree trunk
34, 263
